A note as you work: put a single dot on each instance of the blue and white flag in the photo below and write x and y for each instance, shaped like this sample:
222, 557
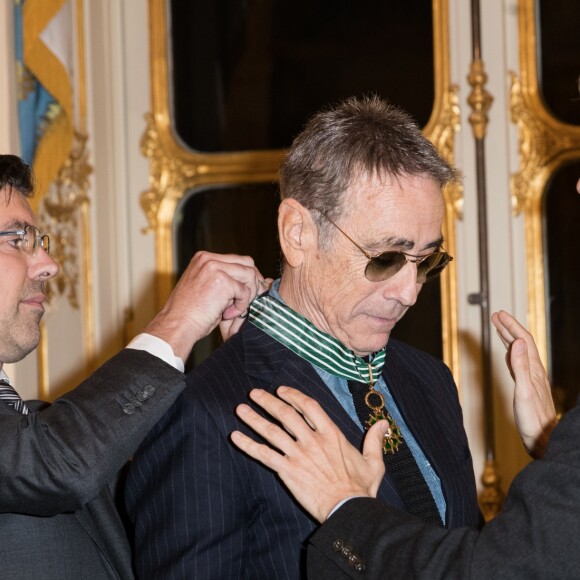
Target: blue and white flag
44, 51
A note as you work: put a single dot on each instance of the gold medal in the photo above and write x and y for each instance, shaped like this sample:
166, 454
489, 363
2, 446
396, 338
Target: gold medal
376, 403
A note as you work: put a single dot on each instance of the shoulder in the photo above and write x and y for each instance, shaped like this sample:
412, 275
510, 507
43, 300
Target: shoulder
223, 380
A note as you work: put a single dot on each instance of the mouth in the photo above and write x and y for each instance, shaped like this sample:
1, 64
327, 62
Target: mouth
387, 320
387, 323
35, 301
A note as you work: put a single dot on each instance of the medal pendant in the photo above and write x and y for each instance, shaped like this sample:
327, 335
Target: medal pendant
376, 403
392, 438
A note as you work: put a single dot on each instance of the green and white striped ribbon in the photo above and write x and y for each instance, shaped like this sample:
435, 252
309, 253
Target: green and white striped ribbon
303, 338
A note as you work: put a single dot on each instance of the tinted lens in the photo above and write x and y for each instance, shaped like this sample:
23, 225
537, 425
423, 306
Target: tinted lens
388, 264
432, 266
384, 266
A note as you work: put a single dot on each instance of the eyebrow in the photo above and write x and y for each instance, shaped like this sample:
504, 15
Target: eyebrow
402, 244
15, 225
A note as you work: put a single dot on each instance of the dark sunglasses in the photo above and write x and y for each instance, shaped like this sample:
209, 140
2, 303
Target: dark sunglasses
387, 264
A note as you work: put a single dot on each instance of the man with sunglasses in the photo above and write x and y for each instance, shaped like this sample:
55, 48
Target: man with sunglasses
363, 537
360, 230
57, 517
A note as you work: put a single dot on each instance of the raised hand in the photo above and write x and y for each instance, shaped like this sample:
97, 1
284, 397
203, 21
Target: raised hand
534, 410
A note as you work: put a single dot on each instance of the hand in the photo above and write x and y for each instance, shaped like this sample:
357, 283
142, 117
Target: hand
212, 289
316, 462
231, 323
534, 410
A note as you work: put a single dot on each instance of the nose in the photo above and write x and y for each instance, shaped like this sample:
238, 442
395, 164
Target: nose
42, 266
578, 186
403, 285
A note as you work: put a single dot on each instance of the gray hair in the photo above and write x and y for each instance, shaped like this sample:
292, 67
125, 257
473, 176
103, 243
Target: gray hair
359, 135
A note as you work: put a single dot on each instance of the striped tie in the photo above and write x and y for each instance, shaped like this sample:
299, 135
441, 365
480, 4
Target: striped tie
12, 398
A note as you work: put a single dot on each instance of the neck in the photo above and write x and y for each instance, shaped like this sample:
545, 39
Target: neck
296, 295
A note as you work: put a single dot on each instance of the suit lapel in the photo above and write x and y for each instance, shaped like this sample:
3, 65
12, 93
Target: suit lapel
273, 365
412, 396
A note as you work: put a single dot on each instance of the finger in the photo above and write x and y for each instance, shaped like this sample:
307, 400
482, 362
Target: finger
230, 327
373, 442
258, 451
266, 429
504, 341
373, 451
502, 331
241, 296
512, 326
520, 363
308, 407
203, 256
292, 421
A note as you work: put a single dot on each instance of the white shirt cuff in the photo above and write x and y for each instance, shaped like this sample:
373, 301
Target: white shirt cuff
157, 347
341, 503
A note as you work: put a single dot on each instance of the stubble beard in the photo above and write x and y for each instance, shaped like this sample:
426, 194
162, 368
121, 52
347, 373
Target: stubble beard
22, 339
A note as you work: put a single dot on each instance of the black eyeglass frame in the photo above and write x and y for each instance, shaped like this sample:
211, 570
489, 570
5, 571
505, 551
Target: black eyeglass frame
38, 240
374, 262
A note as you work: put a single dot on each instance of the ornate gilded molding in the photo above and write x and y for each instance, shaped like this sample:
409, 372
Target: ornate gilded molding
540, 146
480, 100
545, 144
443, 137
60, 216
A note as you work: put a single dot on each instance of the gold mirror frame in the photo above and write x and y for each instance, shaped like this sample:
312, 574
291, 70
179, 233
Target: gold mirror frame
175, 170
545, 144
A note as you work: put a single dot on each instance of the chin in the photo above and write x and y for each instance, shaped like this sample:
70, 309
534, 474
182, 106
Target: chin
374, 345
16, 352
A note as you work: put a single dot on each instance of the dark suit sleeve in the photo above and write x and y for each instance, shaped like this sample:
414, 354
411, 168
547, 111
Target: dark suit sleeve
534, 536
58, 459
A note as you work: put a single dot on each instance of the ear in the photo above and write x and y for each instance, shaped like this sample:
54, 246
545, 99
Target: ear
297, 231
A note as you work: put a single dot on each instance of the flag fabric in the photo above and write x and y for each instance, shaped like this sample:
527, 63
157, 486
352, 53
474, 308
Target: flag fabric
44, 35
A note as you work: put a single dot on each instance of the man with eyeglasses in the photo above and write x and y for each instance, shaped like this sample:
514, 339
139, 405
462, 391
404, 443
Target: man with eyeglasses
57, 516
360, 230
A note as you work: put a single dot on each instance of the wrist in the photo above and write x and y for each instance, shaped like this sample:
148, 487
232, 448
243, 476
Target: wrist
180, 337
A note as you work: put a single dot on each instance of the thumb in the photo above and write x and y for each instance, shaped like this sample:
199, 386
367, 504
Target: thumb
373, 443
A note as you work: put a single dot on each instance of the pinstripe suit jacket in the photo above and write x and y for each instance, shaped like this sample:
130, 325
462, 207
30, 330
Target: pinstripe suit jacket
204, 510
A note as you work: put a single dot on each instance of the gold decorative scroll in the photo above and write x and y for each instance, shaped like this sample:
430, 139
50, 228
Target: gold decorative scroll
61, 207
175, 170
64, 213
545, 144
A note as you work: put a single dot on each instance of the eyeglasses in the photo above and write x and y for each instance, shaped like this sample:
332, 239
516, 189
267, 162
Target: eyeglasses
387, 264
29, 239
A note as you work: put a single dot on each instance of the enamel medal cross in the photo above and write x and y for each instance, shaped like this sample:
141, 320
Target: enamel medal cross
376, 403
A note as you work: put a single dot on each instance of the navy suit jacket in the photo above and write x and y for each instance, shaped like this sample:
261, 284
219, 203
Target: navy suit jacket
204, 510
